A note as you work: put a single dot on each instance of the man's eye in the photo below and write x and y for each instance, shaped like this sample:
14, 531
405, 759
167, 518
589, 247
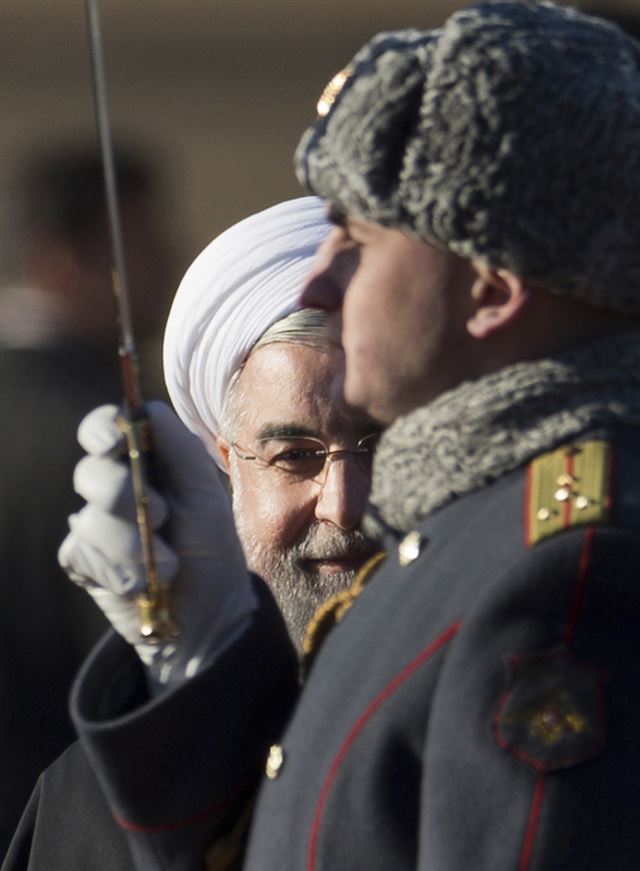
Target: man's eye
301, 459
296, 456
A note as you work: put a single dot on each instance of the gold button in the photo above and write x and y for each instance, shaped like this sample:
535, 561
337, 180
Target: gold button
565, 480
543, 514
274, 762
409, 548
581, 503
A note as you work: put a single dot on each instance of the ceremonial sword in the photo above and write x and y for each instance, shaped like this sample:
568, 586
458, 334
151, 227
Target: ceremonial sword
154, 607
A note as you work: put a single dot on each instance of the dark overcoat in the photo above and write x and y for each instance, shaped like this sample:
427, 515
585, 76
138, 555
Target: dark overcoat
477, 707
47, 625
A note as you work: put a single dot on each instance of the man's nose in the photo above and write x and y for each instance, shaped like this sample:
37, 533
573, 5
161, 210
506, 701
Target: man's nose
329, 275
343, 492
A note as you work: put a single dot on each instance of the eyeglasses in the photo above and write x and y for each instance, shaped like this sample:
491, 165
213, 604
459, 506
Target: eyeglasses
306, 457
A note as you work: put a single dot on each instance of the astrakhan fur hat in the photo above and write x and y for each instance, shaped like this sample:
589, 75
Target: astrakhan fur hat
511, 135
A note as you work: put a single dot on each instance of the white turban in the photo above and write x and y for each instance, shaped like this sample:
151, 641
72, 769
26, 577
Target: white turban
248, 278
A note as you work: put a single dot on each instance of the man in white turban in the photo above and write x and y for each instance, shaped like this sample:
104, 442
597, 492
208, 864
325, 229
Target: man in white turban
250, 374
245, 368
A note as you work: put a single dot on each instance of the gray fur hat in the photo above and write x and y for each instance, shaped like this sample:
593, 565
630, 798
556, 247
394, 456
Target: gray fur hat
511, 135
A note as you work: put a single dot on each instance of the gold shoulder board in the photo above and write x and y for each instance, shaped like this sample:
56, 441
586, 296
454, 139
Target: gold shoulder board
567, 487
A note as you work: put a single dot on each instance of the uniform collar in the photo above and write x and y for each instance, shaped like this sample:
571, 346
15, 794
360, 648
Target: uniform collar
483, 429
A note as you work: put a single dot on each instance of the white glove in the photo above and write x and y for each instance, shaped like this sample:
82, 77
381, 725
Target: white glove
199, 553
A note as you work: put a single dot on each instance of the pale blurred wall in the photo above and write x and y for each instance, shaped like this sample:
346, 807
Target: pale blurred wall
221, 89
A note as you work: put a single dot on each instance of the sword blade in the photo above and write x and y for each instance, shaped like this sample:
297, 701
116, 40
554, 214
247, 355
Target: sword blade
156, 621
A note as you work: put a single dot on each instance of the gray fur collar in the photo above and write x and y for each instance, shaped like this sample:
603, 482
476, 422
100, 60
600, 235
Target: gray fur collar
483, 429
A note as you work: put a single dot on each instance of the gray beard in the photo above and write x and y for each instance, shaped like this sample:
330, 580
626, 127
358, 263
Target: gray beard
298, 589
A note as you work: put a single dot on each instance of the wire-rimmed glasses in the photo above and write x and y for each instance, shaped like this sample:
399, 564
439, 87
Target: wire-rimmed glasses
306, 456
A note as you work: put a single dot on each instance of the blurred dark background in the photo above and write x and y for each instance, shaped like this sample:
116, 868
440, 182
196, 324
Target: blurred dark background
219, 89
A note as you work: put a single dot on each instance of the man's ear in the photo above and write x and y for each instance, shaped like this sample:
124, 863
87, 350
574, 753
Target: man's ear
224, 447
499, 299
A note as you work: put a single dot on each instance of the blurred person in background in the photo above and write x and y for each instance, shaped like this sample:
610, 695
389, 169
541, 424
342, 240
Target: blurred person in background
58, 359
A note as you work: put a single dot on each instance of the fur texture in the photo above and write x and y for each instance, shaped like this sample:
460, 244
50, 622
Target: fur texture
511, 135
483, 429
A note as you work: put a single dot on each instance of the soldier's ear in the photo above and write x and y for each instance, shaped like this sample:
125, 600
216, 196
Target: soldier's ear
499, 299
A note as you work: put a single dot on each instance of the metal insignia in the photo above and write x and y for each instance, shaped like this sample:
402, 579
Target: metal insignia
330, 93
275, 761
409, 548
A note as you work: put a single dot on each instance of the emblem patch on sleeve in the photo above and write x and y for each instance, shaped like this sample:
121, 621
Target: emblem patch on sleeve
552, 714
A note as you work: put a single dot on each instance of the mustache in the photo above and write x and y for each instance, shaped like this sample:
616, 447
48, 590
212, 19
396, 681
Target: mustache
323, 542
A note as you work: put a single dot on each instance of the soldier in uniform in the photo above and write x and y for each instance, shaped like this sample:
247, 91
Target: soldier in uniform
475, 705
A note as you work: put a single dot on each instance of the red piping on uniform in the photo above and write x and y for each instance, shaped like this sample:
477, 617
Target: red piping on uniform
608, 496
573, 616
211, 811
566, 508
527, 506
575, 608
532, 826
359, 725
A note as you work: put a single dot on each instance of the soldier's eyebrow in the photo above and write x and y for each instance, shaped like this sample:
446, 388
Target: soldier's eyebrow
363, 228
284, 431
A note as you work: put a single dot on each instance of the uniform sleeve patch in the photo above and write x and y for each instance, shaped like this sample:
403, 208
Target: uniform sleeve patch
552, 714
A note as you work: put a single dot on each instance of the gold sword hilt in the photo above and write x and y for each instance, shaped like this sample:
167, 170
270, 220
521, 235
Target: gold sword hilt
156, 621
